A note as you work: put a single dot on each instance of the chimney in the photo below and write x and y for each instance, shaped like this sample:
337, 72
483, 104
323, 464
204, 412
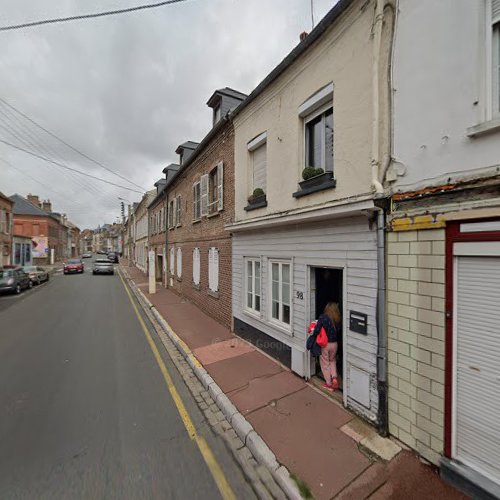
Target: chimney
47, 206
34, 199
303, 36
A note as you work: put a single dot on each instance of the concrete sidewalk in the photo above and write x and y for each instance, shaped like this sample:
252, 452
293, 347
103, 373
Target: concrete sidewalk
328, 448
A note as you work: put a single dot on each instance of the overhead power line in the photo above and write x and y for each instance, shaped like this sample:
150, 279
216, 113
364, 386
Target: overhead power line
67, 168
128, 10
99, 164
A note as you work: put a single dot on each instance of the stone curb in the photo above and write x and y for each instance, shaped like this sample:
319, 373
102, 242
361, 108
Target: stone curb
259, 449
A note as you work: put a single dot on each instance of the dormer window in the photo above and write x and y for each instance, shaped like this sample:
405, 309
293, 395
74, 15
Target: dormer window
217, 114
181, 158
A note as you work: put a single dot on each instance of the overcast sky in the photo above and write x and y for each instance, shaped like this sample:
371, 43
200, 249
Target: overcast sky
126, 90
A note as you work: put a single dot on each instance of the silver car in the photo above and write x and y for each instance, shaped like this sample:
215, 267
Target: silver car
37, 274
103, 266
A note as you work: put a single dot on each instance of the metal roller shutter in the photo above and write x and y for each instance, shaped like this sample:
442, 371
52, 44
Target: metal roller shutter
477, 368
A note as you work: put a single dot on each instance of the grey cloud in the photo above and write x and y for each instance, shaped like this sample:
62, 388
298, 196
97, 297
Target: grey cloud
127, 90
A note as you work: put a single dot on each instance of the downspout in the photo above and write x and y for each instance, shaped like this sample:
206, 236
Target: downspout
377, 46
165, 263
381, 326
380, 201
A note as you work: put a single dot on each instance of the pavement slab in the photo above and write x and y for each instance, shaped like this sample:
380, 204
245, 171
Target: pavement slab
222, 350
328, 460
235, 373
263, 391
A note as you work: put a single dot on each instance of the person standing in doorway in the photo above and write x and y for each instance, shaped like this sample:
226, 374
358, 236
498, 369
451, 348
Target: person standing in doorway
330, 320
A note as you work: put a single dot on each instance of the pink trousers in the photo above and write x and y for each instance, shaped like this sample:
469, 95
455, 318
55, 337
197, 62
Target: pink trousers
328, 362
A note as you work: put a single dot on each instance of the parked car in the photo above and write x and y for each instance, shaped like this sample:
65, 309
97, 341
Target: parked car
113, 257
14, 280
103, 266
87, 256
101, 252
73, 266
36, 274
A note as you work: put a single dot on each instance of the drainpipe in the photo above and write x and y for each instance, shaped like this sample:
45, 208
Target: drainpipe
381, 202
381, 326
166, 264
377, 45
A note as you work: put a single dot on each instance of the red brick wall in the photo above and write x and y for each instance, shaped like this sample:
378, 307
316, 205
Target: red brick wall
24, 225
209, 232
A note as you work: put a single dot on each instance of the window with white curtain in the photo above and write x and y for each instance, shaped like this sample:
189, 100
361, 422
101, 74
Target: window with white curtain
252, 281
213, 269
280, 291
179, 263
196, 266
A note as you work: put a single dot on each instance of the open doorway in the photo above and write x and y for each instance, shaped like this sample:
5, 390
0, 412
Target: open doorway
327, 285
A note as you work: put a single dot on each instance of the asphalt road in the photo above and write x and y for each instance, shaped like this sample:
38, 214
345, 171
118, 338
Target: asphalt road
84, 409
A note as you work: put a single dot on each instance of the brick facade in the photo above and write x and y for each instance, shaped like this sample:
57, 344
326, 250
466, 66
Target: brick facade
157, 237
34, 226
208, 231
416, 338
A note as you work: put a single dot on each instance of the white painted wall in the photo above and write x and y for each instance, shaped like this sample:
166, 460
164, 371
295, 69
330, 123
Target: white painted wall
343, 56
439, 80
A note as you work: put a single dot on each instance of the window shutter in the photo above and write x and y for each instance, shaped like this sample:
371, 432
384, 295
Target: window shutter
179, 209
495, 10
259, 167
216, 270
204, 194
213, 269
210, 272
194, 204
172, 260
196, 266
179, 263
220, 184
174, 212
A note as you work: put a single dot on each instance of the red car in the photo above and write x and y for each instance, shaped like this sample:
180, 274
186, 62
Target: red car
73, 266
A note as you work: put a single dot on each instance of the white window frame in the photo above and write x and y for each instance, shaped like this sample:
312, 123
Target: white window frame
247, 308
213, 284
179, 262
320, 111
278, 321
216, 174
197, 267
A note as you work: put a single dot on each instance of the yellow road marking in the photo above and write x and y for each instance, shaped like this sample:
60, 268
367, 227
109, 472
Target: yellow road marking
206, 452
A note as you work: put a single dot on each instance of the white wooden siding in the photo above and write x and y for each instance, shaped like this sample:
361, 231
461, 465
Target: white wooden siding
343, 243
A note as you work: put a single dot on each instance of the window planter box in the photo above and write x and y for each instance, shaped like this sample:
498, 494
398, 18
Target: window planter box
258, 202
316, 184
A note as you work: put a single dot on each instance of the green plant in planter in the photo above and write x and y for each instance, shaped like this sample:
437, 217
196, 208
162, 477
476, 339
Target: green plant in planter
310, 172
257, 193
